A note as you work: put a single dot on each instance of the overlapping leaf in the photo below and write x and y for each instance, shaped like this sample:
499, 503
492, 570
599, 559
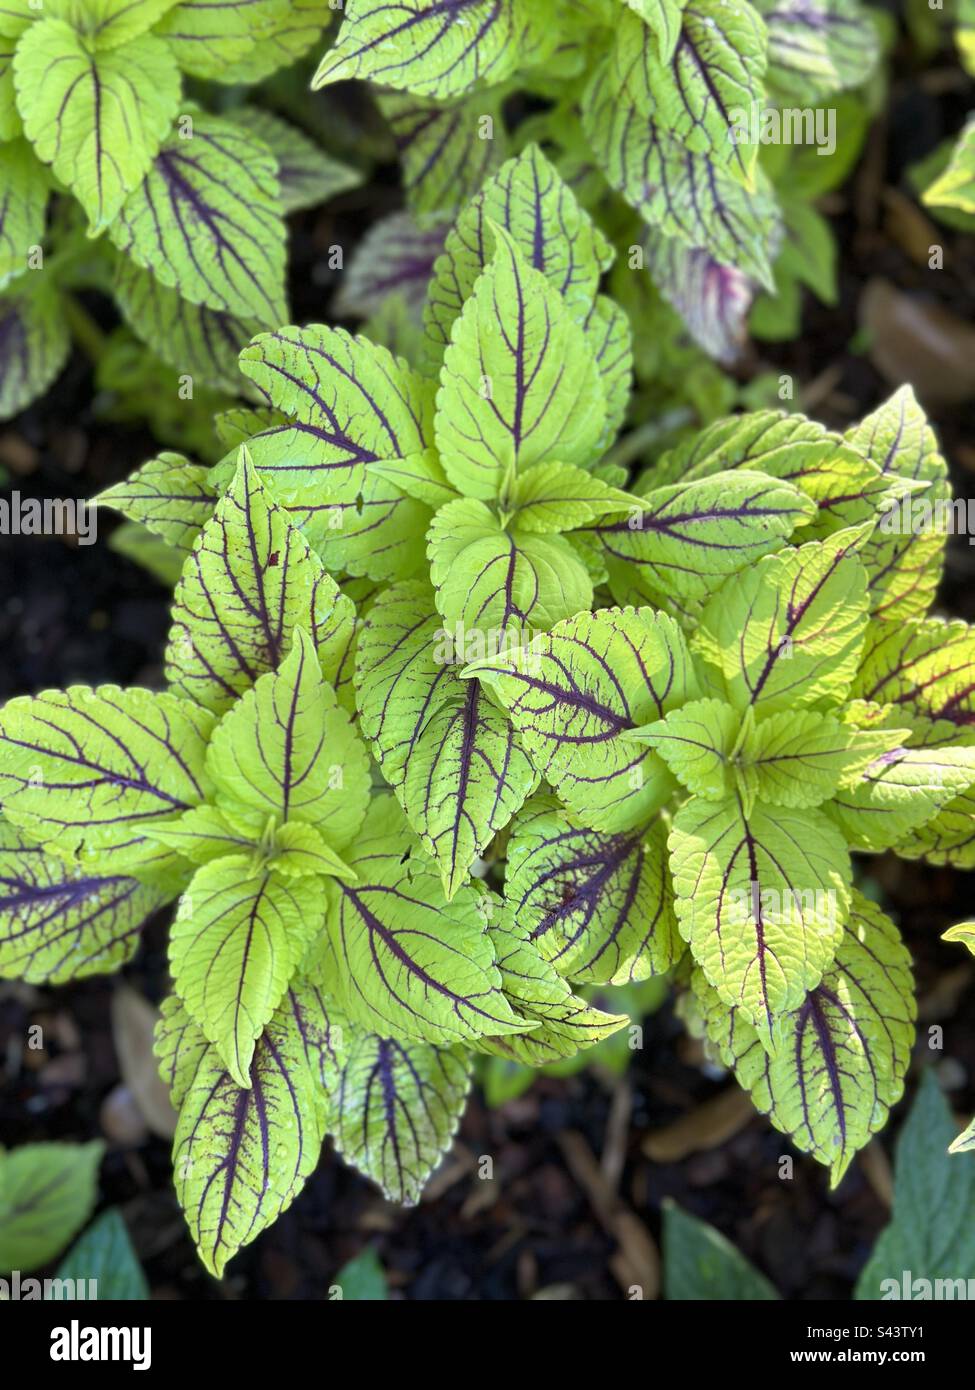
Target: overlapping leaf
207, 220
97, 117
169, 495
34, 342
451, 755
597, 906
816, 47
574, 693
445, 152
250, 581
24, 188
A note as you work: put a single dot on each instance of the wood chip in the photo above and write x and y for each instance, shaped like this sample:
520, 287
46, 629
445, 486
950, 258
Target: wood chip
710, 1125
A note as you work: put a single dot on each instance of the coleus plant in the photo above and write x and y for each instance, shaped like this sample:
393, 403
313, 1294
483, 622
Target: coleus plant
463, 723
176, 212
697, 128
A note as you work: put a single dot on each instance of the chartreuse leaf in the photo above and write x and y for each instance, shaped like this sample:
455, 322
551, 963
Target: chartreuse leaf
292, 28
703, 92
798, 758
537, 990
575, 692
104, 1254
307, 175
107, 23
207, 37
399, 1106
207, 221
905, 554
286, 750
347, 404
97, 116
197, 342
955, 186
425, 46
816, 47
88, 771
712, 299
34, 341
446, 152
538, 209
761, 898
23, 202
929, 1244
169, 495
452, 757
598, 907
789, 631
519, 382
249, 583
57, 924
491, 577
847, 488
699, 1263
697, 742
663, 18
560, 497
679, 543
840, 1057
206, 833
47, 1192
903, 790
240, 1154
683, 194
402, 959
238, 937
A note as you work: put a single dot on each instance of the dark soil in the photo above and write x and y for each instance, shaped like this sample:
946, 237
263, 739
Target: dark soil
552, 1220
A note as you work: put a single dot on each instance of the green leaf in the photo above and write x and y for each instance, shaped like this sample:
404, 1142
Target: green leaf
900, 792
290, 30
137, 543
47, 1192
403, 960
840, 1058
663, 18
955, 186
519, 383
208, 38
169, 495
798, 758
57, 924
97, 117
249, 583
599, 907
700, 1264
905, 555
207, 220
684, 194
105, 1254
400, 1103
681, 542
560, 497
930, 1237
198, 343
287, 750
348, 403
237, 940
206, 833
88, 770
761, 899
308, 176
34, 342
815, 49
537, 990
450, 754
704, 91
423, 46
697, 742
445, 152
242, 1155
495, 578
789, 631
531, 201
107, 23
23, 205
363, 1279
574, 693
299, 850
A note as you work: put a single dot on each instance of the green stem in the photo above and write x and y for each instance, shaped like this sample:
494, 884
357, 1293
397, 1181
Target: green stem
83, 328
